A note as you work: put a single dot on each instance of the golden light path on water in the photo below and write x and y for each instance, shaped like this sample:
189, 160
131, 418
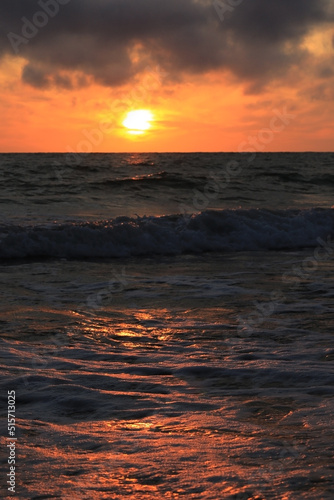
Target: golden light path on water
150, 393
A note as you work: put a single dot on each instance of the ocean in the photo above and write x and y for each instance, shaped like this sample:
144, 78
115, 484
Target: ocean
167, 326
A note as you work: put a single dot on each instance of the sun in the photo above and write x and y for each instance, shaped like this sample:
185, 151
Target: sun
138, 121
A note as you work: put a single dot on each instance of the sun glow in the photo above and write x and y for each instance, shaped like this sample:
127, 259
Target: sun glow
138, 121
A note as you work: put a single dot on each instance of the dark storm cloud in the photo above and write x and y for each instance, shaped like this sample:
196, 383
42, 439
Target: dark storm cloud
34, 76
256, 40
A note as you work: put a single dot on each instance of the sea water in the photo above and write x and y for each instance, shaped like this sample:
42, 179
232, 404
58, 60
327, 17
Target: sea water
167, 325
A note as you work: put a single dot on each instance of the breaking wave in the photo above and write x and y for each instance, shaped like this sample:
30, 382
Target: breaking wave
208, 231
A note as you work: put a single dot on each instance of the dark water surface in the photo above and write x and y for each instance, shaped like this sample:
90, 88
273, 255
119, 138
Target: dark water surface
167, 325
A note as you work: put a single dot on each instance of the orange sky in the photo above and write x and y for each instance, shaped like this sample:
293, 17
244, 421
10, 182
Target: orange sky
211, 111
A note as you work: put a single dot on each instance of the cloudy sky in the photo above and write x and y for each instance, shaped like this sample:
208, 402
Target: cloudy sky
216, 75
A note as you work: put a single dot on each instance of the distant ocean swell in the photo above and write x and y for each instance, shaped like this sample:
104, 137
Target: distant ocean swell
208, 231
143, 181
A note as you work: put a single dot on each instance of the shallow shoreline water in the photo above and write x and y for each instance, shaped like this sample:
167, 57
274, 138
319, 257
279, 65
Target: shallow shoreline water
151, 387
193, 374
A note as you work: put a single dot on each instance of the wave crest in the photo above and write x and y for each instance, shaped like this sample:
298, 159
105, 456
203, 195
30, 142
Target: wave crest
208, 231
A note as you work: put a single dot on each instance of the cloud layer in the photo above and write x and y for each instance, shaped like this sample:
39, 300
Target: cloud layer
111, 41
